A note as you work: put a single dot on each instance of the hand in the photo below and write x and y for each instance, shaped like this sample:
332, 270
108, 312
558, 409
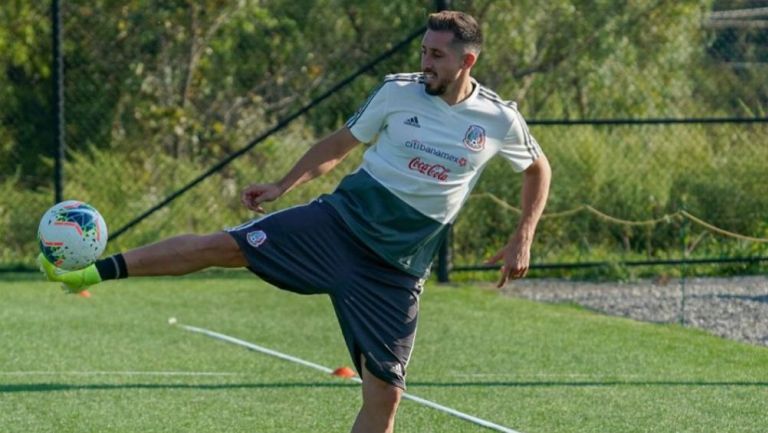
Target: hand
254, 195
517, 258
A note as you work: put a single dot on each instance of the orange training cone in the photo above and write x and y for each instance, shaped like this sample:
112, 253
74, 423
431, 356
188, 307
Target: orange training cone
344, 372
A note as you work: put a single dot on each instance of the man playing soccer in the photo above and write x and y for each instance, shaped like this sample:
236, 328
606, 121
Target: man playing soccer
370, 243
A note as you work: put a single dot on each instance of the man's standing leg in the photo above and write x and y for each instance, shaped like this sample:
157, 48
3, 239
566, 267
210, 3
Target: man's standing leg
380, 401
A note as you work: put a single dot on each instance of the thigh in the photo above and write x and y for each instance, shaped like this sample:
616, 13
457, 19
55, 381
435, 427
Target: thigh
301, 249
378, 318
223, 250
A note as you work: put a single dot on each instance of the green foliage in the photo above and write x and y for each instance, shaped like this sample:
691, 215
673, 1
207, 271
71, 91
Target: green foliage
586, 59
633, 174
25, 72
18, 221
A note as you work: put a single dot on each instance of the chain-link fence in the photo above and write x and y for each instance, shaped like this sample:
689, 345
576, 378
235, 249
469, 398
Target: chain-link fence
646, 110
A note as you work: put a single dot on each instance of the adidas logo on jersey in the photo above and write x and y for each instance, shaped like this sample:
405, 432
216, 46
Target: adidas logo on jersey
413, 121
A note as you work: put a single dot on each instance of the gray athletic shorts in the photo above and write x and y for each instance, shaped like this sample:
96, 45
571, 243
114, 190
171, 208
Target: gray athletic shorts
310, 250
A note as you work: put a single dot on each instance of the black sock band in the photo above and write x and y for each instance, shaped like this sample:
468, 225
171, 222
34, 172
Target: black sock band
112, 268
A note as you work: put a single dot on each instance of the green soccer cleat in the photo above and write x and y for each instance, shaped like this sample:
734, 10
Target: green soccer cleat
72, 281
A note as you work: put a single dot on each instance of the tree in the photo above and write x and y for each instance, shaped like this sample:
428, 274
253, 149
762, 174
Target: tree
25, 91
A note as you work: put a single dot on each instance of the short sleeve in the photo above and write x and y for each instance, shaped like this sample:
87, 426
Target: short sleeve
519, 146
371, 116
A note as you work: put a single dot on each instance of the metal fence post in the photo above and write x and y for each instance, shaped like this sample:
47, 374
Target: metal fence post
684, 251
444, 253
441, 5
57, 101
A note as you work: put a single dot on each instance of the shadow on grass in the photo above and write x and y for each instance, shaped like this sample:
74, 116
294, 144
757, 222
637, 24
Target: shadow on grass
52, 387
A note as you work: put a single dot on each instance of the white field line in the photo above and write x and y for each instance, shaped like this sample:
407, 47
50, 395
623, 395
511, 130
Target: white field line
116, 373
538, 376
261, 349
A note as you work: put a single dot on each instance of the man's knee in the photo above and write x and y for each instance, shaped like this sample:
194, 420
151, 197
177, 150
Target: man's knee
380, 401
383, 394
379, 394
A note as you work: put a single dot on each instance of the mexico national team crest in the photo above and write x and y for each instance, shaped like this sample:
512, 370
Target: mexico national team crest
255, 239
474, 138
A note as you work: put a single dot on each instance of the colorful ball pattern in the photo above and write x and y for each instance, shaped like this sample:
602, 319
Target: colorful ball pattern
72, 235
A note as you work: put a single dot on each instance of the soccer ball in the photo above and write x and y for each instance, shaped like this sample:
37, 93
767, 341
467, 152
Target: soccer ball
72, 235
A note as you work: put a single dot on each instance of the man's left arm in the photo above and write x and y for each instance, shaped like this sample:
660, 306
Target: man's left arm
516, 254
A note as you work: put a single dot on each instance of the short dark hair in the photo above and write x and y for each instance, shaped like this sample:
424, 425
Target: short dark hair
466, 31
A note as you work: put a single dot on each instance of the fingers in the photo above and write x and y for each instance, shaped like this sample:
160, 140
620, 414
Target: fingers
504, 278
248, 202
515, 264
512, 268
511, 272
254, 206
253, 196
245, 198
519, 273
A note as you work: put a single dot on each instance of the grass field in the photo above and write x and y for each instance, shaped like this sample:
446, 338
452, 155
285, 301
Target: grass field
111, 363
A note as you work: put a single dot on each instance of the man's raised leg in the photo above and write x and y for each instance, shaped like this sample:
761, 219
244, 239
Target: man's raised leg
173, 256
184, 254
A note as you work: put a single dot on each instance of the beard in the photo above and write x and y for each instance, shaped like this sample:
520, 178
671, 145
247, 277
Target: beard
436, 89
436, 86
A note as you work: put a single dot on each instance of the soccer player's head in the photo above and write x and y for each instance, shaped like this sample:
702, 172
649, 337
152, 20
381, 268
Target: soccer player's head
449, 49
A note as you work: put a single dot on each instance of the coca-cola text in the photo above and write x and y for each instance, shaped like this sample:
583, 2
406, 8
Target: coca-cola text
437, 171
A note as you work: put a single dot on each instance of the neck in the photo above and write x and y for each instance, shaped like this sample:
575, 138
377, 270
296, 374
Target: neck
460, 90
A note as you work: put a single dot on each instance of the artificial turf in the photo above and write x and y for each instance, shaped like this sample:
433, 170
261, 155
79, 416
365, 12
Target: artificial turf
112, 363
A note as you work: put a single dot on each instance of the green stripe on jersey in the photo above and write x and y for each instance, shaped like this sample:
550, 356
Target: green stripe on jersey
397, 232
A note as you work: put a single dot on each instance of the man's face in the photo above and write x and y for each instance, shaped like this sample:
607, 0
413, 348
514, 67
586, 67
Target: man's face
441, 62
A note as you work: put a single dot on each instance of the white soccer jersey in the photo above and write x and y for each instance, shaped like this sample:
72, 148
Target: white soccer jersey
425, 157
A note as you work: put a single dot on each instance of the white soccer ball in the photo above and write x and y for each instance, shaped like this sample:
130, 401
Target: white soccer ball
72, 235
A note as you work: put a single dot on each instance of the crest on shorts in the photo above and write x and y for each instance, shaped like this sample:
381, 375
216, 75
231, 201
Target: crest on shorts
474, 138
255, 239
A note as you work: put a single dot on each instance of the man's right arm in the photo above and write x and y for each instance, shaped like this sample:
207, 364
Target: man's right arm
319, 159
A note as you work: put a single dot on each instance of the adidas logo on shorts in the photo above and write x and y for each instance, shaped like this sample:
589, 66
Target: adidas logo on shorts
396, 368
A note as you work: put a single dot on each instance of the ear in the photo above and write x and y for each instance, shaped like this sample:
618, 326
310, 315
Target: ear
470, 58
